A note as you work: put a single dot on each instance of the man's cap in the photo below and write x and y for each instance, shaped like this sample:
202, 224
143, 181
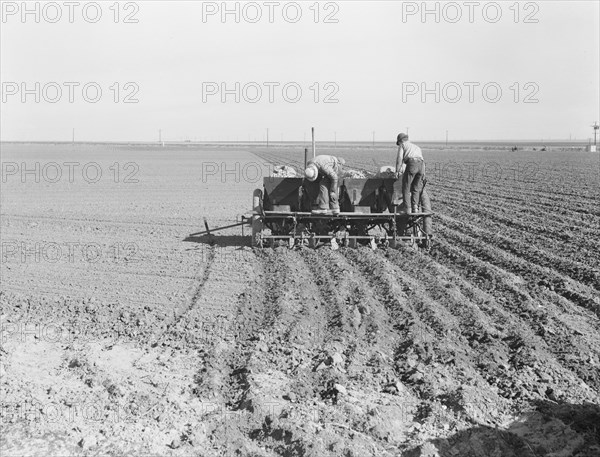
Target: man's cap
311, 172
401, 137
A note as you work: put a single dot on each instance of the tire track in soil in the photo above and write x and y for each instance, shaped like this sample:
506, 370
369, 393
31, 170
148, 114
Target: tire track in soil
170, 330
505, 345
542, 312
248, 372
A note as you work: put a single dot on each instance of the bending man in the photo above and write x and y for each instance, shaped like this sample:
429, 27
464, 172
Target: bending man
324, 169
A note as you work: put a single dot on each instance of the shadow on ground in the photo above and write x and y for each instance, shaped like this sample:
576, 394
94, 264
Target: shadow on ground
220, 240
551, 429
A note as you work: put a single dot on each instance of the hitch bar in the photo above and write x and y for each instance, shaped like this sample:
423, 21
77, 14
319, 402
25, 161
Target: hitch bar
208, 231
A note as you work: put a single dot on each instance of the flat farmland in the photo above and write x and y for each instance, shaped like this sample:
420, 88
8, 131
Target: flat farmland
124, 334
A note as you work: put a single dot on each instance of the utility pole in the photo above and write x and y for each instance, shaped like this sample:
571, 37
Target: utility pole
314, 148
73, 136
594, 148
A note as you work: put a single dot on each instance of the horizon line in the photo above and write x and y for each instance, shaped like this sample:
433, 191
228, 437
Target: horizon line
263, 142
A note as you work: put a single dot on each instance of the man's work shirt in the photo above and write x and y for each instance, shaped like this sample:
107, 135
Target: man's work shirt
328, 166
410, 151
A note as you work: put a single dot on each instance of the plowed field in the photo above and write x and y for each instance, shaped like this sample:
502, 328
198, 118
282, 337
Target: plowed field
139, 339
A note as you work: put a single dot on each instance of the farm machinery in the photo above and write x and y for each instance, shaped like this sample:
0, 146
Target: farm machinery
371, 212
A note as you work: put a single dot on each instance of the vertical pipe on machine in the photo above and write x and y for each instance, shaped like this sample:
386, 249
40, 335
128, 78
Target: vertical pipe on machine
305, 157
313, 142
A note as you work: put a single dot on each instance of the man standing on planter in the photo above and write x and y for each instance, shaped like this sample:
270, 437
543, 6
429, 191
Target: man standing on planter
411, 167
325, 169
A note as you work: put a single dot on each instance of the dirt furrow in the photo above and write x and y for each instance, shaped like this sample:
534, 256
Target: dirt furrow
535, 275
529, 249
563, 229
358, 354
432, 350
520, 218
510, 191
523, 277
508, 352
481, 339
538, 213
563, 333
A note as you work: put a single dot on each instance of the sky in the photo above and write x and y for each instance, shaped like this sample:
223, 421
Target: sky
352, 69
